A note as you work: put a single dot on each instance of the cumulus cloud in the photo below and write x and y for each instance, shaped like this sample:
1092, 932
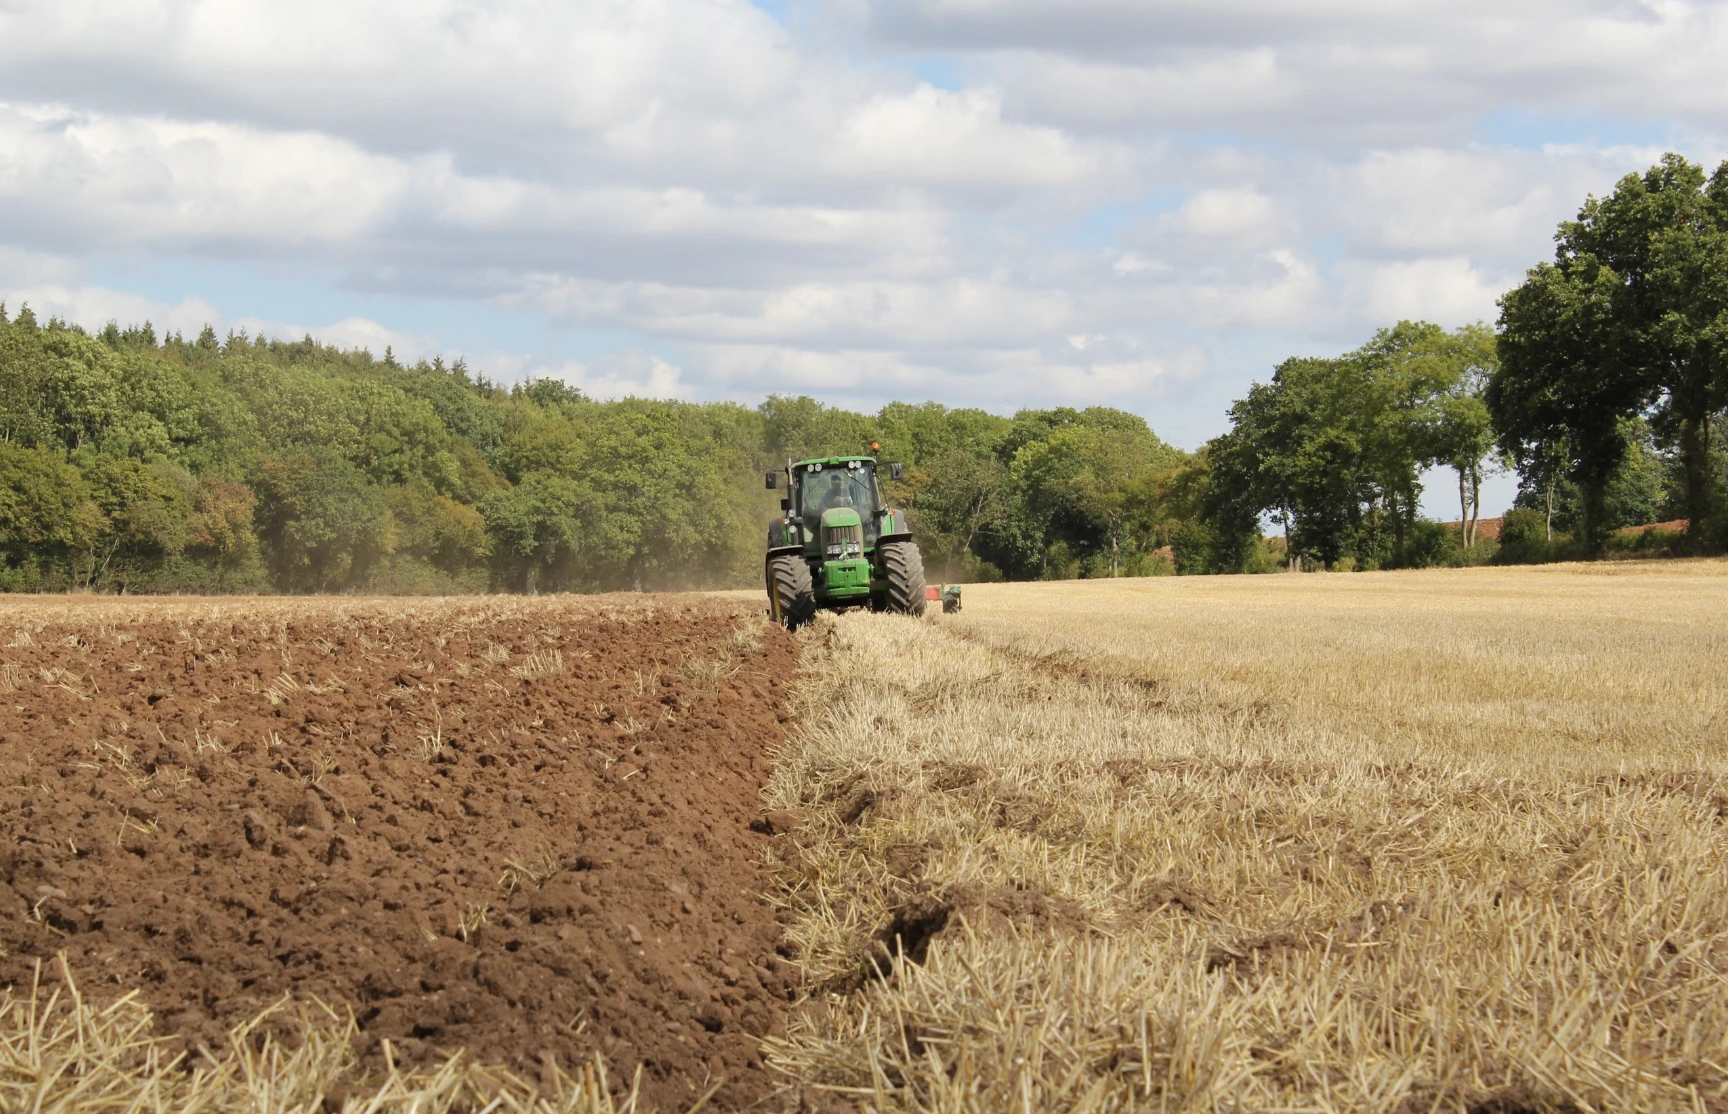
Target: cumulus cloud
1332, 69
93, 306
56, 287
630, 374
71, 179
1138, 202
1450, 289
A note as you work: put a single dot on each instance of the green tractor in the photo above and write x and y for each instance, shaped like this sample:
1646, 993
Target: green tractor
836, 545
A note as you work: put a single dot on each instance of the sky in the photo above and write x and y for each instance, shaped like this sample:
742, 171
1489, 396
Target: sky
998, 203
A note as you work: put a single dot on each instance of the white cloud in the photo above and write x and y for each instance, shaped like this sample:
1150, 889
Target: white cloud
94, 179
931, 137
1492, 202
1449, 291
1352, 69
825, 315
622, 375
93, 307
1189, 188
54, 287
1242, 213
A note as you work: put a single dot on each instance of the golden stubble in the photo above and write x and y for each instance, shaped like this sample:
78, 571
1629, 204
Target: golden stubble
1402, 841
63, 1054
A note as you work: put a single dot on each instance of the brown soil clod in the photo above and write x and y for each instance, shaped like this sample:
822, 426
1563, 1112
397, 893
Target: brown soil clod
780, 821
912, 927
517, 831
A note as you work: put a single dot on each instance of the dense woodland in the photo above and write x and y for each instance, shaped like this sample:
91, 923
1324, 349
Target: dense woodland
132, 462
138, 463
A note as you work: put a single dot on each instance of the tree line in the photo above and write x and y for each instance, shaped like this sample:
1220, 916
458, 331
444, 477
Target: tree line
132, 462
1599, 386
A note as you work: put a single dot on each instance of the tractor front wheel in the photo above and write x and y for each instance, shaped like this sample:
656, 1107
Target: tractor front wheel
791, 597
904, 569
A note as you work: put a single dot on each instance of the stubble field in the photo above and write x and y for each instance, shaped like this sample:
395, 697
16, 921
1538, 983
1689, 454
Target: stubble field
1371, 842
1401, 842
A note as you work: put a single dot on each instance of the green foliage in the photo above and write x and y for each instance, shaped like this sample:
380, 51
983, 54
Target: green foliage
1563, 386
1647, 543
220, 532
1090, 484
321, 520
664, 515
1462, 427
535, 527
1431, 545
1070, 492
48, 520
957, 498
1524, 537
1626, 323
801, 428
1332, 450
145, 514
243, 464
437, 530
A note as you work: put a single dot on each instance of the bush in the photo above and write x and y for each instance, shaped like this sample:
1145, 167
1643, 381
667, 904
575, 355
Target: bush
1266, 555
1524, 538
1430, 545
1192, 543
1482, 553
1647, 543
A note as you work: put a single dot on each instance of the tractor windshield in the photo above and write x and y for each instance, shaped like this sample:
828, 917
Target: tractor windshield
840, 486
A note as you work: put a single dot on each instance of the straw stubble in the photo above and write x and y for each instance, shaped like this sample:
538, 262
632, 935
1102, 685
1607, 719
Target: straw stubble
1439, 841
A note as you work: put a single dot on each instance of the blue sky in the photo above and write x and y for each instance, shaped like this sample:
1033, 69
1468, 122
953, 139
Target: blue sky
1137, 203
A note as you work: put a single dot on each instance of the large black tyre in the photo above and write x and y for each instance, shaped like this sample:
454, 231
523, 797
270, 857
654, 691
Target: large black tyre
791, 598
903, 567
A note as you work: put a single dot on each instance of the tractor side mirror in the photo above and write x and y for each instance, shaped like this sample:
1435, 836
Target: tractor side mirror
897, 471
785, 504
773, 480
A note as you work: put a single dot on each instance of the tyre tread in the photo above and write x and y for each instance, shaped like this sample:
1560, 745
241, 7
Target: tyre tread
904, 567
789, 585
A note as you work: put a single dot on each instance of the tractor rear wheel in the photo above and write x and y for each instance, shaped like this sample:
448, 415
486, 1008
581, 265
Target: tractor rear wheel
904, 567
791, 597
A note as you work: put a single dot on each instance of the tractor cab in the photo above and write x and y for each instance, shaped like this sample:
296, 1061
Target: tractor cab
820, 487
836, 535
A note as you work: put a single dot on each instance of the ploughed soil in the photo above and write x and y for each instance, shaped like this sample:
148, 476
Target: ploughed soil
517, 827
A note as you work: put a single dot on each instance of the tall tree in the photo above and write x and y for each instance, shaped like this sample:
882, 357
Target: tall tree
46, 515
800, 427
247, 462
1564, 382
536, 525
959, 497
1298, 450
1664, 235
145, 510
220, 525
1463, 431
324, 522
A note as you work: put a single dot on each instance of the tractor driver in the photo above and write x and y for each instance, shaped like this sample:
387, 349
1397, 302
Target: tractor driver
839, 493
